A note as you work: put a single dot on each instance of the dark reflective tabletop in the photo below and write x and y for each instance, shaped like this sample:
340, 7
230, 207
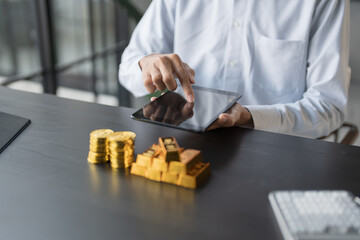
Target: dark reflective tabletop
49, 191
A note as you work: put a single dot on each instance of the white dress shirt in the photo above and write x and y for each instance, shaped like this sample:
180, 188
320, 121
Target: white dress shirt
289, 58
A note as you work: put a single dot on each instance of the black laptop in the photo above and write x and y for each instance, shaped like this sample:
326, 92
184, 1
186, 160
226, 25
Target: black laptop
10, 127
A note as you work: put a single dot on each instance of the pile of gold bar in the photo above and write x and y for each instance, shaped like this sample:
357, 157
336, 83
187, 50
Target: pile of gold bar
118, 147
167, 162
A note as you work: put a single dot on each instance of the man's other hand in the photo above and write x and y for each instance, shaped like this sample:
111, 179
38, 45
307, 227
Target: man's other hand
159, 72
237, 115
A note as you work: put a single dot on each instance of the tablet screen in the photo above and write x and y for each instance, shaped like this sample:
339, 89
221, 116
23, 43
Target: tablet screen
172, 109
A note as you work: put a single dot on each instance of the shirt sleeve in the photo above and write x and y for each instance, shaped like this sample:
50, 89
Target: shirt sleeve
153, 34
323, 106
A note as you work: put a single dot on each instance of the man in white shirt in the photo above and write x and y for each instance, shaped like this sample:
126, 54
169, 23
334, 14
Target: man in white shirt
289, 59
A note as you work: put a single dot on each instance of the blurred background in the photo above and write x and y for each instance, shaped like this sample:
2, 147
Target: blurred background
72, 48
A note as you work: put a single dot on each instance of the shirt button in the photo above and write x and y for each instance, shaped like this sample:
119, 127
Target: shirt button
232, 63
236, 24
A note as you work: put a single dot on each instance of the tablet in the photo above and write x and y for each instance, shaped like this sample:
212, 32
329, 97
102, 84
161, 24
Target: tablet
172, 109
10, 127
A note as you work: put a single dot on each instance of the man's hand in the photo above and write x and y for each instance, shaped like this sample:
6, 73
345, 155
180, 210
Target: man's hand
237, 115
159, 72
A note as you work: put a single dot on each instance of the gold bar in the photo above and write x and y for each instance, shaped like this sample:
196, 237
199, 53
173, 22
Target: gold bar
169, 177
159, 164
158, 150
188, 158
145, 158
177, 167
138, 170
170, 148
195, 176
144, 161
153, 174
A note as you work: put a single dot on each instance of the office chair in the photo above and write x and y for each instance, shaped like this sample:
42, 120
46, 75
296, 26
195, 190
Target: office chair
352, 133
350, 136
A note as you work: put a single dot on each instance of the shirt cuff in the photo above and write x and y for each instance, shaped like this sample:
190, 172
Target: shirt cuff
131, 78
265, 117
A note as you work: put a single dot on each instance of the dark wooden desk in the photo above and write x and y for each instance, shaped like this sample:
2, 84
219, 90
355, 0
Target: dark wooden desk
49, 191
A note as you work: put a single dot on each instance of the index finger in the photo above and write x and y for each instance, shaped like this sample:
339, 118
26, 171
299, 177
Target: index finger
184, 77
189, 92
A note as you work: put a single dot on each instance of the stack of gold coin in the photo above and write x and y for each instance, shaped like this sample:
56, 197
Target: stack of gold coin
121, 149
98, 150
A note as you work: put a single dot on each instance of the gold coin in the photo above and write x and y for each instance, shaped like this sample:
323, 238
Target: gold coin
100, 133
96, 161
117, 162
97, 142
98, 158
126, 143
120, 149
111, 151
132, 135
121, 153
113, 159
116, 166
120, 156
121, 136
96, 154
128, 164
97, 149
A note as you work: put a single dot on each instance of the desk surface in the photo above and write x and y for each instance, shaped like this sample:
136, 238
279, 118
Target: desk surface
49, 191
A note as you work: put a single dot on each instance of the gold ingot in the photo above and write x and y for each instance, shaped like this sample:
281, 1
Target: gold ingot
188, 158
159, 164
177, 167
153, 174
195, 176
158, 150
170, 148
138, 170
144, 160
169, 177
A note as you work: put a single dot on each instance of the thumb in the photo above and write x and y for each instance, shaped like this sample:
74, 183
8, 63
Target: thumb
226, 120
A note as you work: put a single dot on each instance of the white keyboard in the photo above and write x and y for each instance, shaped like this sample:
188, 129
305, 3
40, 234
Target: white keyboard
328, 215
